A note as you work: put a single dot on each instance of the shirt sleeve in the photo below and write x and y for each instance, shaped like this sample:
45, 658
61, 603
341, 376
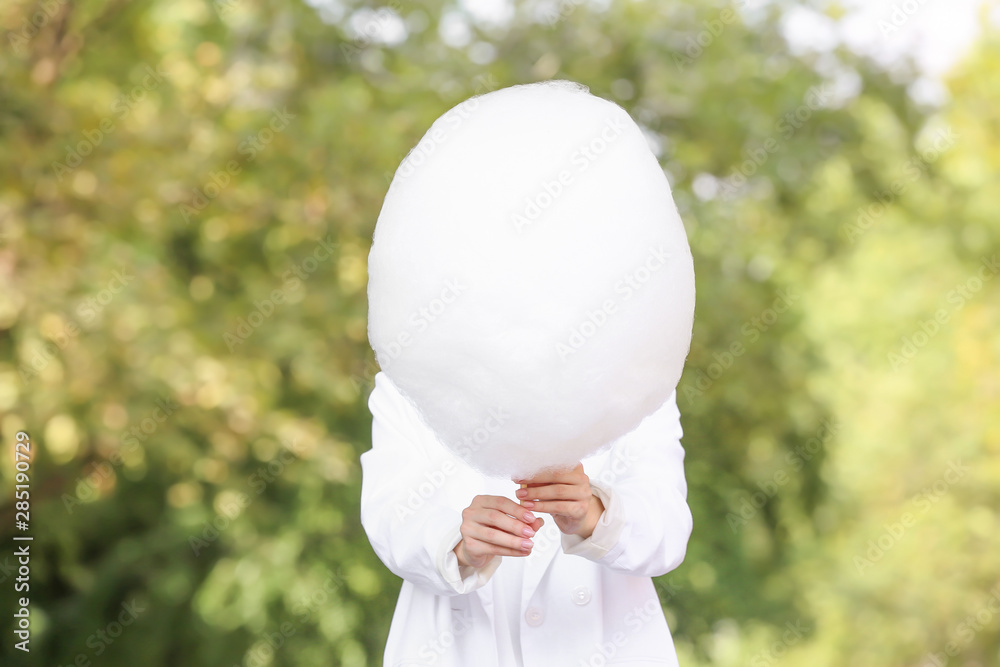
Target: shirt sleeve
463, 578
413, 491
646, 523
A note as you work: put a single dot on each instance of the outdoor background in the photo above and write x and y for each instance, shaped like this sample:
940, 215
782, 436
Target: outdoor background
188, 190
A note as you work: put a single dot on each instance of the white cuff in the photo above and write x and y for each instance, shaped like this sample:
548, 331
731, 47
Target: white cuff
606, 533
463, 579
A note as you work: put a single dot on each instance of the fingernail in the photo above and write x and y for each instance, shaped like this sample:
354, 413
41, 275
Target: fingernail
528, 516
528, 532
527, 503
526, 544
522, 493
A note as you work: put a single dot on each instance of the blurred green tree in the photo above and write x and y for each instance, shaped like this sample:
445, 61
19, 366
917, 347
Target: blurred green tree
187, 194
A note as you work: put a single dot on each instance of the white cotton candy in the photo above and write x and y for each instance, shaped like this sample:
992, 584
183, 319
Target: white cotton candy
531, 288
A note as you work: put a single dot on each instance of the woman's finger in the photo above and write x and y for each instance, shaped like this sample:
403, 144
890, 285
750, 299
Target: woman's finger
499, 538
472, 545
505, 505
566, 476
501, 521
574, 509
554, 492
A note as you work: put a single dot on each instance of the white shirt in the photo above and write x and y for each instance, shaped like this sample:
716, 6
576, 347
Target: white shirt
572, 601
508, 580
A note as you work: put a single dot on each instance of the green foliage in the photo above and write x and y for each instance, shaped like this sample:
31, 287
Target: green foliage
187, 194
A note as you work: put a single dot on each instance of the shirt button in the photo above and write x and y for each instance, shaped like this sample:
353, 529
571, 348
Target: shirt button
534, 616
581, 595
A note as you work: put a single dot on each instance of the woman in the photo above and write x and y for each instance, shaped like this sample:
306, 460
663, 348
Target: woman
487, 582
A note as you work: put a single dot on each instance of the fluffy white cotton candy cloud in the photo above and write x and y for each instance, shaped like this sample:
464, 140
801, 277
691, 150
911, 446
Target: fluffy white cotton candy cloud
531, 289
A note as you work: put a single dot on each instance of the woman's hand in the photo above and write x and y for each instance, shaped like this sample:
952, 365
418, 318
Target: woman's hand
567, 496
495, 526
